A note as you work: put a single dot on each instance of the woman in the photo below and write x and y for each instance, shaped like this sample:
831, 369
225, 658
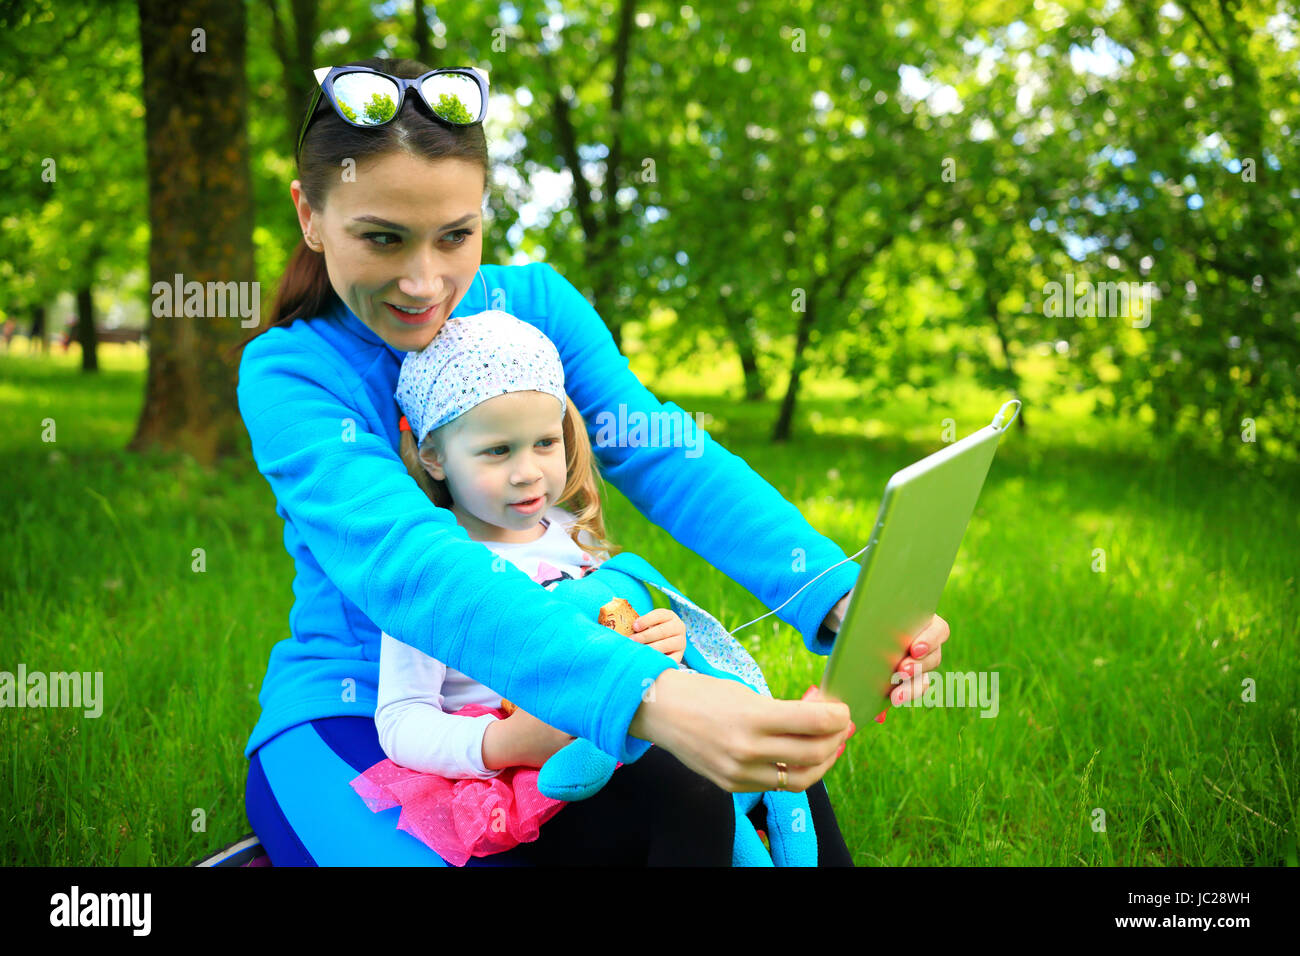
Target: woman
390, 214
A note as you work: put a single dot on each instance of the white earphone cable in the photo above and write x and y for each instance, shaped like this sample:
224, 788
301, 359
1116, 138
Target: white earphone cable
997, 423
796, 593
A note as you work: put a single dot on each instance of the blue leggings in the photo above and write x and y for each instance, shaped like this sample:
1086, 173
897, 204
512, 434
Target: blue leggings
654, 811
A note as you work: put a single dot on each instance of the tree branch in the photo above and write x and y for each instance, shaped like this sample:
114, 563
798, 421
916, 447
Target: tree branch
615, 159
279, 40
569, 150
1191, 11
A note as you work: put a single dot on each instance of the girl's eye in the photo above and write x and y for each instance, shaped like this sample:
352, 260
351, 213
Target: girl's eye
464, 235
548, 443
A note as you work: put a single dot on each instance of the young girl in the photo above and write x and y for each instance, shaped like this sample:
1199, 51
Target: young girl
493, 436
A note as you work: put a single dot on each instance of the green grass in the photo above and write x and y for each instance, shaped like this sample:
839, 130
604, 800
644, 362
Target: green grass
1119, 690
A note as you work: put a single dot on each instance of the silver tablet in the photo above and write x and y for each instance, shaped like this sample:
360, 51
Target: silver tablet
922, 519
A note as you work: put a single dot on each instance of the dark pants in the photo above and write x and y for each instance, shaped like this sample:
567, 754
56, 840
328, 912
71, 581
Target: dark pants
658, 812
653, 812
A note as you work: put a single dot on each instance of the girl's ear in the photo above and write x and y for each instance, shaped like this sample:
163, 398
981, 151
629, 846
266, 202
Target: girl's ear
429, 459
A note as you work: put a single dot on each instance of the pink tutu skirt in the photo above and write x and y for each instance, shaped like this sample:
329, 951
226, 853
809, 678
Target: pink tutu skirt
461, 818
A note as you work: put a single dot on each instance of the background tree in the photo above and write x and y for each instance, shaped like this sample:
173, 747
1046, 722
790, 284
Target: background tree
200, 214
1152, 157
74, 207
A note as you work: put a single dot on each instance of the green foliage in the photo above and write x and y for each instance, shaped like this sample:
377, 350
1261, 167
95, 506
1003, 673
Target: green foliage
75, 203
450, 107
1152, 148
380, 109
919, 201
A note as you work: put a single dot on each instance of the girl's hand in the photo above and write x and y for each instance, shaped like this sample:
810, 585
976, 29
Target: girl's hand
521, 740
663, 630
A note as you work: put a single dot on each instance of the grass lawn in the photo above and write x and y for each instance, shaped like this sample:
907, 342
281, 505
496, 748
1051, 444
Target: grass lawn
1121, 737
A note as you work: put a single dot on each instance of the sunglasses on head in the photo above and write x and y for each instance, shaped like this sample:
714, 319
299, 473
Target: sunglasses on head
365, 97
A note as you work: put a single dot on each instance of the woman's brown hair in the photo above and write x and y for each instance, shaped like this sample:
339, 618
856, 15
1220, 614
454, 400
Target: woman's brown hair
304, 291
581, 495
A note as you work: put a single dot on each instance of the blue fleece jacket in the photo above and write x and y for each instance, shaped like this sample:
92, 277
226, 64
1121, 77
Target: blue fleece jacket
372, 552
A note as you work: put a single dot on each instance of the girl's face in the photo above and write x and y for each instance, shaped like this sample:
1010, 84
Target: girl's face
424, 250
505, 450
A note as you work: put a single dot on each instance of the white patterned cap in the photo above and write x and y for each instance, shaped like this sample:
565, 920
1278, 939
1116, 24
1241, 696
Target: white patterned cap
471, 359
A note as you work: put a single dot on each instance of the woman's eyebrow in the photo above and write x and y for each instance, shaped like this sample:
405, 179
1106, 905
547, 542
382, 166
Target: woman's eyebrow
376, 220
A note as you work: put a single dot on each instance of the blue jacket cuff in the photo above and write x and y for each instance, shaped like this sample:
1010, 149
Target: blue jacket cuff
817, 602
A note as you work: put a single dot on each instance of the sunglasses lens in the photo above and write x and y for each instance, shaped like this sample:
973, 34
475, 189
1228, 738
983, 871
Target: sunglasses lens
366, 99
454, 97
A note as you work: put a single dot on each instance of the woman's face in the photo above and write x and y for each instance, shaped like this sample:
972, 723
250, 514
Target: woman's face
502, 451
425, 252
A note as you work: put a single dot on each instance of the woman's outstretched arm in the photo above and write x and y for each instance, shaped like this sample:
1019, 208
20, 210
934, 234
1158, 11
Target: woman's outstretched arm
704, 496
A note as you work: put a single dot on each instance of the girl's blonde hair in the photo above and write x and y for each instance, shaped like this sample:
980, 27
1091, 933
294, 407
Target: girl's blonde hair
582, 485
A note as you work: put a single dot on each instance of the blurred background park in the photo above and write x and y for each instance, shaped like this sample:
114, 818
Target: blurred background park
848, 233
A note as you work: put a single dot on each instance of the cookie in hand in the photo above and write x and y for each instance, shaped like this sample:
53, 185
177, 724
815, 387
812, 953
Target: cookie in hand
618, 615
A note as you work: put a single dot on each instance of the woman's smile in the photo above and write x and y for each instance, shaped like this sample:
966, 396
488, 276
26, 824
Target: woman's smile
413, 318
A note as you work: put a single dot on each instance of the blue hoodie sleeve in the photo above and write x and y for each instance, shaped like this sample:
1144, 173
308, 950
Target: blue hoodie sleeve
412, 570
708, 499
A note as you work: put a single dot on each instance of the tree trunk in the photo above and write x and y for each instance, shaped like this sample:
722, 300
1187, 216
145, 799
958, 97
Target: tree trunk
600, 234
785, 420
86, 330
991, 299
755, 390
296, 53
422, 35
743, 339
201, 218
608, 265
37, 333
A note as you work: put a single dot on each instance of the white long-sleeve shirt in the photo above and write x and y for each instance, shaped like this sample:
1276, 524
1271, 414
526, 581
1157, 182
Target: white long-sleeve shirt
418, 693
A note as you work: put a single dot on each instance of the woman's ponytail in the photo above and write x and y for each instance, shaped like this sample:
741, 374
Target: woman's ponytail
304, 292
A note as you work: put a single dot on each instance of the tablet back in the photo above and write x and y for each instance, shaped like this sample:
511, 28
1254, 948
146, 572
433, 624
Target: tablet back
922, 519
